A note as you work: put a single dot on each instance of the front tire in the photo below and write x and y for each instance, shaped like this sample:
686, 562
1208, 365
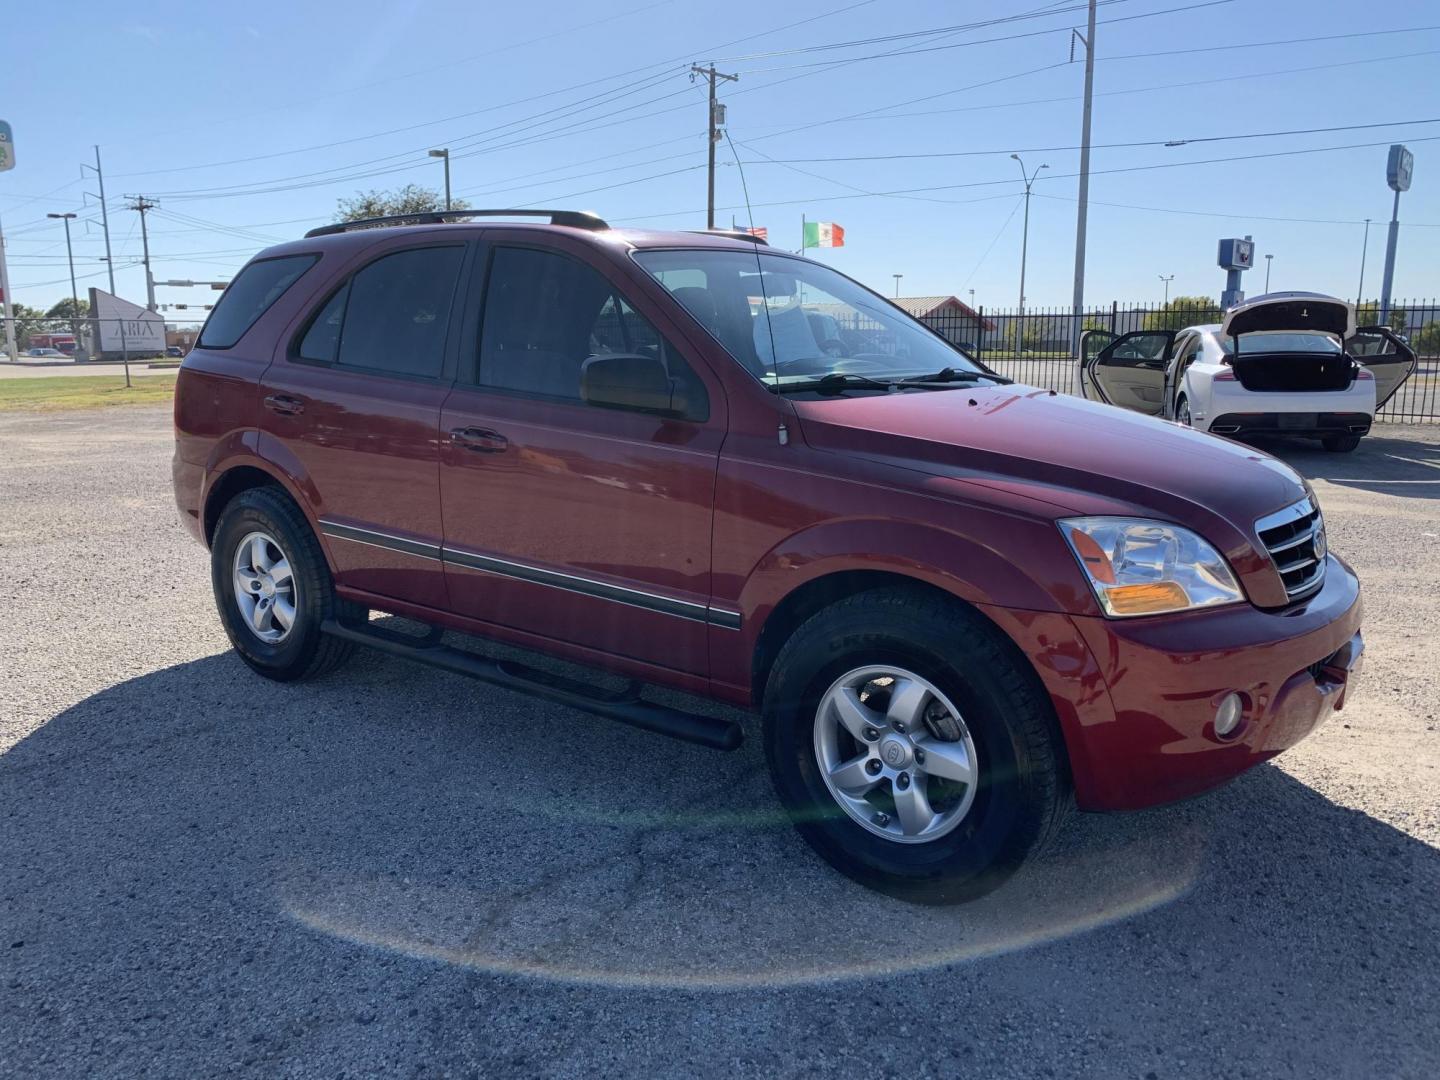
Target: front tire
1340, 444
913, 747
273, 588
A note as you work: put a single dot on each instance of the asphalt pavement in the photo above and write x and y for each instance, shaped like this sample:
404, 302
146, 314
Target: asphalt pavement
397, 871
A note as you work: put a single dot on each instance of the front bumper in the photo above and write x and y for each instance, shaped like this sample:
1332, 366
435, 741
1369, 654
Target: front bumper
1136, 698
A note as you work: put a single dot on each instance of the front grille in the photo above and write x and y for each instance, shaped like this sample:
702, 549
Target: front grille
1295, 539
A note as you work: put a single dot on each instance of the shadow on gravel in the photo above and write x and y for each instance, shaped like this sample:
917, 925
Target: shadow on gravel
1405, 468
198, 836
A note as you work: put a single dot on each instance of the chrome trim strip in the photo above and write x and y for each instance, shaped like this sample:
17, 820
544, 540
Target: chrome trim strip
620, 594
1287, 516
375, 538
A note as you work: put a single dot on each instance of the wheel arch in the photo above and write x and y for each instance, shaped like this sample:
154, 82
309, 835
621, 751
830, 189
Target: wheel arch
240, 477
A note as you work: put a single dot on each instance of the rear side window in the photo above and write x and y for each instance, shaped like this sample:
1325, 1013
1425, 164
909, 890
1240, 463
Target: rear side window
249, 296
391, 317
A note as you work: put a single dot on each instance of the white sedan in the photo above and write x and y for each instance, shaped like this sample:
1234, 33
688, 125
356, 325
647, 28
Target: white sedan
1288, 363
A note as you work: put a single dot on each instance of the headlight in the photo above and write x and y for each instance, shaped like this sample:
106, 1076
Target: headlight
1139, 567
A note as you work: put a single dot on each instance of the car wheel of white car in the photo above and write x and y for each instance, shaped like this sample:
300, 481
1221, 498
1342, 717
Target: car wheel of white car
1182, 411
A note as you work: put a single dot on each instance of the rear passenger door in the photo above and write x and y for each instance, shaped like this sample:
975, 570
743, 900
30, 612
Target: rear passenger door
1130, 371
565, 520
352, 411
1389, 359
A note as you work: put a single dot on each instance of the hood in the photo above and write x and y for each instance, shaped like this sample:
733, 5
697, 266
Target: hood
1294, 311
1076, 455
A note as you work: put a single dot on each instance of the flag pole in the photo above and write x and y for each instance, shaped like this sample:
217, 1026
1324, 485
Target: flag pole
802, 235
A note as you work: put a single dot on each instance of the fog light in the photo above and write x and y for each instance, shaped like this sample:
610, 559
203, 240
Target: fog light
1227, 717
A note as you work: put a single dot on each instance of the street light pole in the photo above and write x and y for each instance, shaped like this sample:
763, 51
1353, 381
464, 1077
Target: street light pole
74, 293
1167, 281
445, 153
1024, 243
897, 278
1267, 272
1364, 247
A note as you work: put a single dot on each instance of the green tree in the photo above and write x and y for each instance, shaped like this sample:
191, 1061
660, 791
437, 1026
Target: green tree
1427, 341
1183, 311
410, 199
27, 321
69, 309
1368, 314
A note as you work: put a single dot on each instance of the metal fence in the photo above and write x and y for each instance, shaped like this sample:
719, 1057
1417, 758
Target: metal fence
1035, 346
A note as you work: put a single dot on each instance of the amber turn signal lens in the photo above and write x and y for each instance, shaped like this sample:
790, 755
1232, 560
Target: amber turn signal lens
1097, 563
1147, 599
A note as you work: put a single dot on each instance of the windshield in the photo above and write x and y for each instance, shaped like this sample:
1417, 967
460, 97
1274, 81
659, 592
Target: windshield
1281, 342
790, 321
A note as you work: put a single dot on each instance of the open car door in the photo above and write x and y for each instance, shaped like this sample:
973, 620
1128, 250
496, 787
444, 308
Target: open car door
1129, 371
1388, 358
1091, 342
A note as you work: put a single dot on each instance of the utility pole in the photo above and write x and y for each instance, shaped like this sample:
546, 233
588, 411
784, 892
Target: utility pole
1364, 247
1077, 303
12, 349
446, 155
1267, 272
1167, 281
717, 120
74, 293
141, 204
897, 278
1024, 245
104, 215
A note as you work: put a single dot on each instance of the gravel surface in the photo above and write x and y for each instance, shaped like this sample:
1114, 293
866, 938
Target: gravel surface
398, 871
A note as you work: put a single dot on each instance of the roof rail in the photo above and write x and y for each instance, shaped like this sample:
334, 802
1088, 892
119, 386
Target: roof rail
576, 219
733, 234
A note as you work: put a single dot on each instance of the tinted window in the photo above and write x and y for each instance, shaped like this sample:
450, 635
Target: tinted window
546, 314
398, 312
249, 296
322, 340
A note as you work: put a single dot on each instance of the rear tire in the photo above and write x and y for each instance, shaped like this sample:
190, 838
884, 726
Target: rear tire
978, 692
1340, 444
263, 525
1182, 412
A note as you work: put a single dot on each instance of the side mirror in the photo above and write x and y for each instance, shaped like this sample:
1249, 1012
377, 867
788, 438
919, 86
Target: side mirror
629, 381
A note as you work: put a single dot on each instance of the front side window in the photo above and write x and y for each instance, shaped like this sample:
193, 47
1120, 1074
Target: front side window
790, 321
249, 296
547, 314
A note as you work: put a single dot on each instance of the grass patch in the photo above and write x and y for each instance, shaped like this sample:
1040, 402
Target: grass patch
83, 392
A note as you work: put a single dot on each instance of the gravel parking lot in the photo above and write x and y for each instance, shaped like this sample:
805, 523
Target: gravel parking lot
399, 871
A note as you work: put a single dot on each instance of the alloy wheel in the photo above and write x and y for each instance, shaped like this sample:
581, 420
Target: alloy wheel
265, 590
896, 754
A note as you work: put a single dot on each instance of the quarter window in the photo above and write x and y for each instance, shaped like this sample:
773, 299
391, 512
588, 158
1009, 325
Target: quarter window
249, 296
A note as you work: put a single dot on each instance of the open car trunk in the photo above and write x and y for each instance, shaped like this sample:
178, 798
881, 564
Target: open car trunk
1293, 371
1324, 320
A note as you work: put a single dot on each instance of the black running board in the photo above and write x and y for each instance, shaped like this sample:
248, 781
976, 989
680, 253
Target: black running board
625, 706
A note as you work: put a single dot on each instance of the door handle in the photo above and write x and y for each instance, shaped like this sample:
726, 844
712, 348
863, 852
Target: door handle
284, 404
480, 440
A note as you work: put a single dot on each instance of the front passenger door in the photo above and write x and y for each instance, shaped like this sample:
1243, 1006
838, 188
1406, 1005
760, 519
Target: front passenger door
1130, 371
564, 520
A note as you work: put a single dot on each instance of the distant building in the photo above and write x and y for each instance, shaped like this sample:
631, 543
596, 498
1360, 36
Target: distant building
954, 319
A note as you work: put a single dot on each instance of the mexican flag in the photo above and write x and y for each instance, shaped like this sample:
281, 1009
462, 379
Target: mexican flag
824, 234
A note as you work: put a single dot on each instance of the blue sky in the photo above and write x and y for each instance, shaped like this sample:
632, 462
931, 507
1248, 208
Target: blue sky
219, 111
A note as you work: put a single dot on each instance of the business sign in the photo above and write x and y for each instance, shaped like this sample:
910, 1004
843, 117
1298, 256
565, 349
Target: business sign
1399, 168
1236, 254
121, 326
7, 147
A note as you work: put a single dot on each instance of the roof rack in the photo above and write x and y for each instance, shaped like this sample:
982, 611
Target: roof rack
576, 219
733, 234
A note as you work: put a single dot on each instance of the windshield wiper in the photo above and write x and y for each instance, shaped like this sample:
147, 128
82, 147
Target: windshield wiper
950, 374
833, 383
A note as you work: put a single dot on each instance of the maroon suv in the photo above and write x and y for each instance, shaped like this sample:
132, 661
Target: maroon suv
961, 605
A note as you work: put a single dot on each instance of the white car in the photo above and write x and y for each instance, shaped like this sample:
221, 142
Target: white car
1288, 363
